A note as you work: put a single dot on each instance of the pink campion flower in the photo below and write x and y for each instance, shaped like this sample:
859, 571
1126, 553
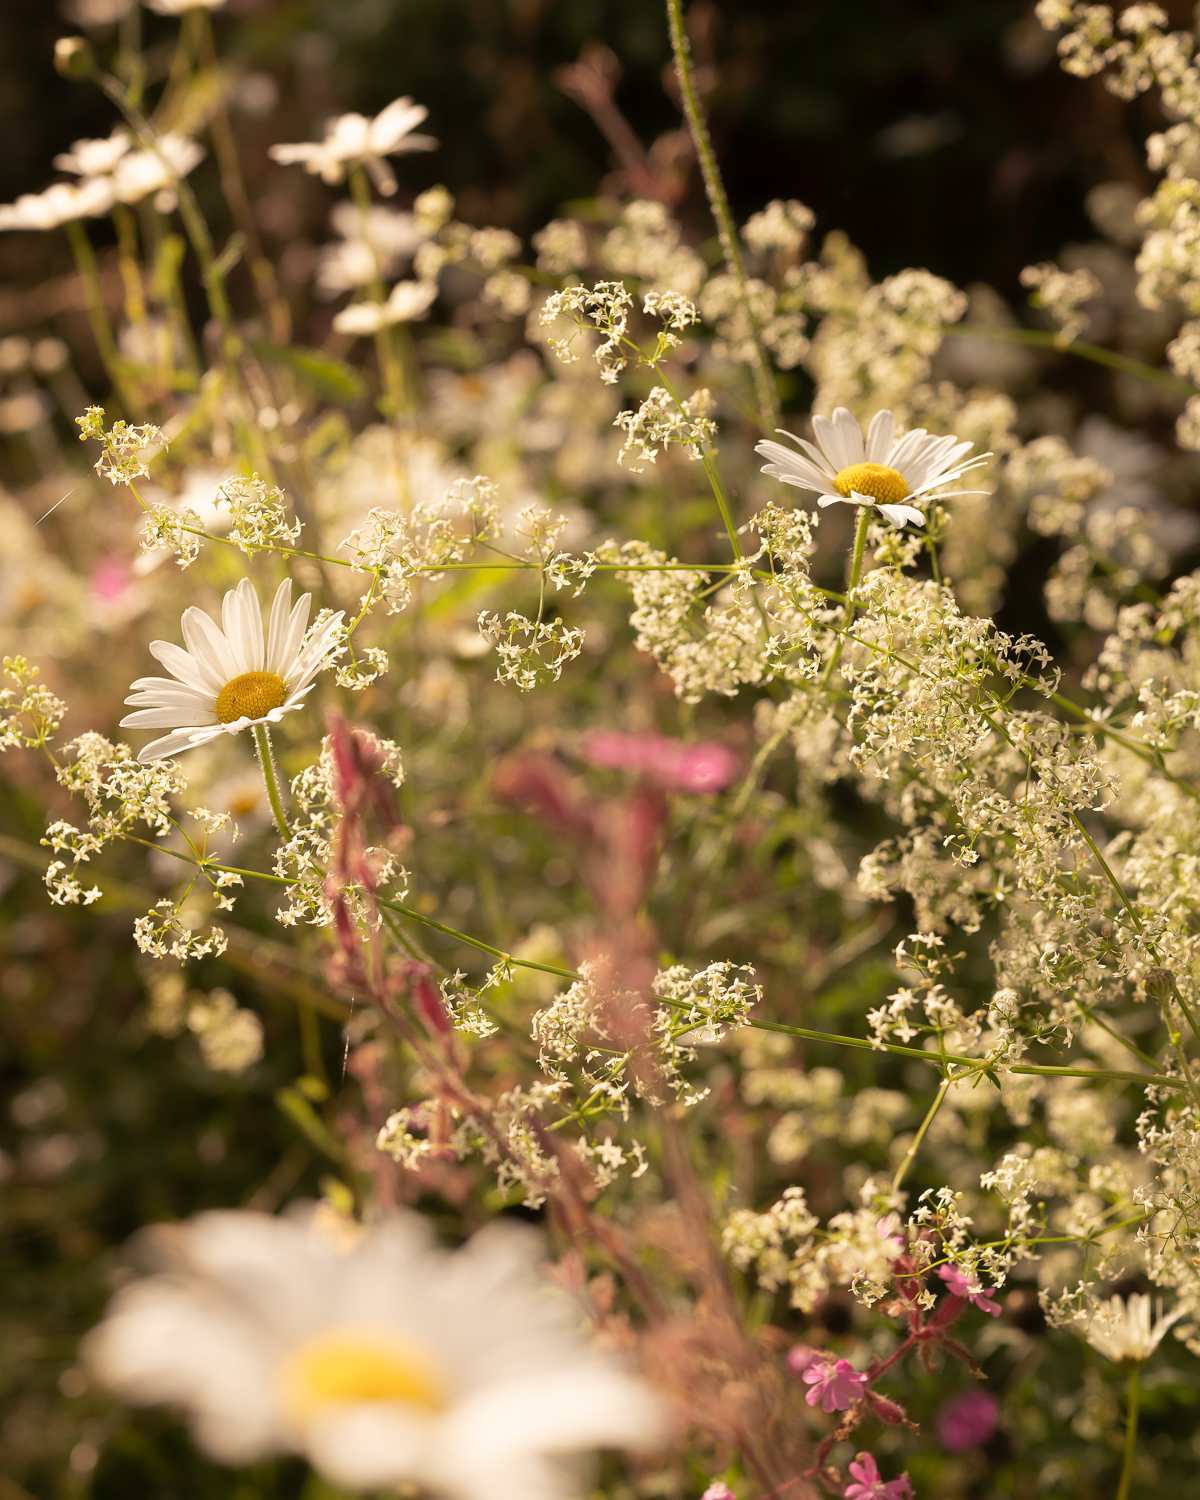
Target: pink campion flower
970, 1291
967, 1421
110, 579
870, 1484
718, 1490
799, 1357
835, 1386
707, 766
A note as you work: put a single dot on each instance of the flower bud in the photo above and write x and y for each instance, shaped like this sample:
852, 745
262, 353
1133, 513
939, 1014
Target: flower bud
74, 58
1159, 985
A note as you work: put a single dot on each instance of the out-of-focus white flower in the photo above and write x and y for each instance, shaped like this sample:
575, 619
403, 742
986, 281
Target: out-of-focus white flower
881, 471
95, 158
1120, 1329
230, 680
353, 140
58, 205
372, 247
380, 1357
409, 300
144, 172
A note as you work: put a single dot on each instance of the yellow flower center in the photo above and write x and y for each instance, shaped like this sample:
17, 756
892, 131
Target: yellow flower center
343, 1367
250, 696
888, 486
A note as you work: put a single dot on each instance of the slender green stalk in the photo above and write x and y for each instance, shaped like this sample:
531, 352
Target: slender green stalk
389, 366
1131, 1426
856, 567
85, 260
1094, 352
262, 741
911, 1154
764, 382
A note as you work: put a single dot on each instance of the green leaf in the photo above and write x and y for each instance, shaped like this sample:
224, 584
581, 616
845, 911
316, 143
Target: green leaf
331, 377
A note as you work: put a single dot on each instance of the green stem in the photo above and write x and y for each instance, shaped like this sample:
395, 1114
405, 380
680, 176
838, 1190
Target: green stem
1131, 1425
385, 353
262, 740
911, 1154
1094, 352
764, 383
856, 567
85, 260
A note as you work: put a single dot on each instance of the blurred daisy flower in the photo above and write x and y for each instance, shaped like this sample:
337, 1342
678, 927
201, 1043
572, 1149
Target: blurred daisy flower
95, 158
232, 679
61, 204
353, 140
380, 1357
1121, 1331
409, 300
881, 470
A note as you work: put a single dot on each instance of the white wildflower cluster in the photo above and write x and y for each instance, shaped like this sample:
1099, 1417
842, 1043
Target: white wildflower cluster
231, 1038
561, 247
260, 519
119, 793
760, 312
815, 1108
30, 712
532, 652
875, 342
395, 548
663, 421
1064, 295
781, 226
165, 529
645, 243
786, 1247
167, 931
127, 451
605, 308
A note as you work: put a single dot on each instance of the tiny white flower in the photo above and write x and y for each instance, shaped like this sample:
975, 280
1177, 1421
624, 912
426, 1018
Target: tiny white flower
379, 1356
409, 300
1121, 1331
58, 205
353, 140
230, 680
881, 471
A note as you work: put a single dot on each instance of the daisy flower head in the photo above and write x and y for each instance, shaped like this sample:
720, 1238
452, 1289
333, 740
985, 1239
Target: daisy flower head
379, 1356
1121, 1331
880, 470
353, 140
234, 678
409, 300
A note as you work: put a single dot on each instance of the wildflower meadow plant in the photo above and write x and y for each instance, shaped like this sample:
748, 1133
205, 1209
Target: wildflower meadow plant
635, 846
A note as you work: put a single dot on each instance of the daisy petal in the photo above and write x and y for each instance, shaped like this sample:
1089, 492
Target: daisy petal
242, 619
841, 439
880, 436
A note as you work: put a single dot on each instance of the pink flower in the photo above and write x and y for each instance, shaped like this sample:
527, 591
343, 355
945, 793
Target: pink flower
704, 767
110, 578
872, 1486
799, 1357
971, 1291
835, 1386
967, 1421
718, 1490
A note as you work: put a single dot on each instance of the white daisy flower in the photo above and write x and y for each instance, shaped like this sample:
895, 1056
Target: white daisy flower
141, 173
95, 158
1121, 1331
58, 205
353, 140
409, 300
379, 1356
881, 471
230, 680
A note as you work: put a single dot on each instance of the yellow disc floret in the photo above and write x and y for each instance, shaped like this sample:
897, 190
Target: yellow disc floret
344, 1366
887, 486
251, 696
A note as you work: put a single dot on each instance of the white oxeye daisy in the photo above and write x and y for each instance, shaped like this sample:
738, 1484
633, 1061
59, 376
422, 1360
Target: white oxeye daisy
230, 680
382, 1358
881, 471
1121, 1331
353, 140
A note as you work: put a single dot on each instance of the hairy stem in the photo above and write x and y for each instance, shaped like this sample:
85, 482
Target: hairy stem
266, 760
1131, 1425
764, 382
